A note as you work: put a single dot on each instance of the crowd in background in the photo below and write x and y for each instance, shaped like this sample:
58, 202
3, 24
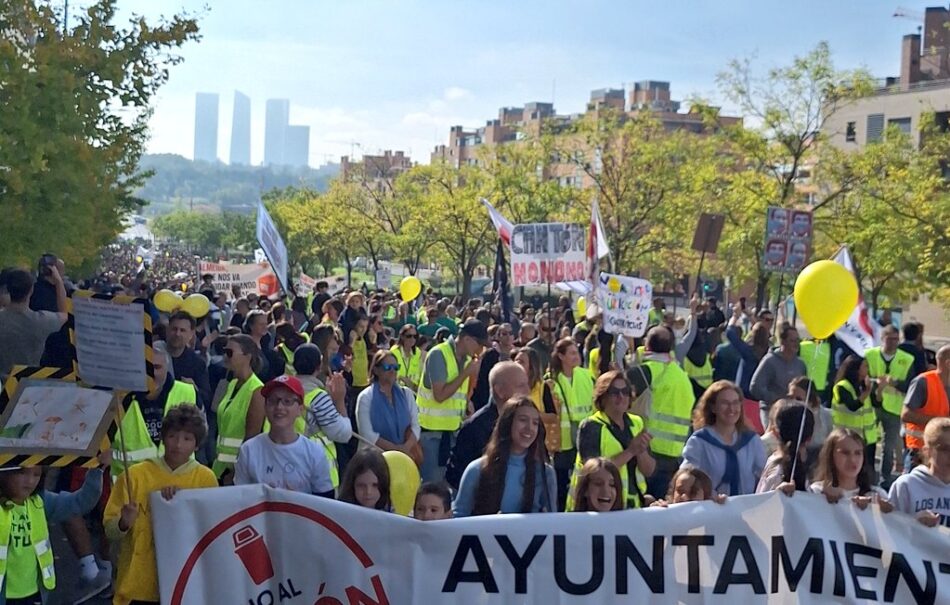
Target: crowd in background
541, 410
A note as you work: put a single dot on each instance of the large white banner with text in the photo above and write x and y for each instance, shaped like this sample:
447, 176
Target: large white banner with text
257, 545
258, 278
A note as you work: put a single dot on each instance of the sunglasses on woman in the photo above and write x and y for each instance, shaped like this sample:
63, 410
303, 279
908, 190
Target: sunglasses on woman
408, 336
625, 391
388, 367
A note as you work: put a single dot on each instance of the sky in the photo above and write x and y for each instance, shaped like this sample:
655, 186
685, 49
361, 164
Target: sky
369, 75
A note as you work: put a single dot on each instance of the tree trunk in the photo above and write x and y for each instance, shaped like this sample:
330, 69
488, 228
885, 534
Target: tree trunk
466, 290
761, 288
349, 271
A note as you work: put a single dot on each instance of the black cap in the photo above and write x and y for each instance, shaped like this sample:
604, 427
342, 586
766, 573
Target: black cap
475, 329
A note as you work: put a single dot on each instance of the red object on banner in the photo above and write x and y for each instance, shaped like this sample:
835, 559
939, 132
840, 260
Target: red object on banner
249, 546
267, 285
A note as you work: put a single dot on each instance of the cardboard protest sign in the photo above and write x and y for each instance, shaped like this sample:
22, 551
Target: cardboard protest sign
272, 244
625, 302
547, 253
384, 278
257, 278
47, 419
112, 336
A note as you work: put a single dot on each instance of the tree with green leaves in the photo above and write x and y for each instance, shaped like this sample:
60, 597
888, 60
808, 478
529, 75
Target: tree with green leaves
208, 232
74, 108
779, 146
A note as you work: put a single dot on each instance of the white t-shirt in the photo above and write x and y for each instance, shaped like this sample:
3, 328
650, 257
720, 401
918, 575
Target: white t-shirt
301, 466
818, 488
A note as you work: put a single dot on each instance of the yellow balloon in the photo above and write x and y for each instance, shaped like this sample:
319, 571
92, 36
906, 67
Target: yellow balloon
581, 305
825, 295
410, 287
167, 301
196, 305
404, 481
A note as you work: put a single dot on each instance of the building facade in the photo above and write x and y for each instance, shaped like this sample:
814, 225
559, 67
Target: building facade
241, 130
276, 120
206, 127
375, 171
297, 146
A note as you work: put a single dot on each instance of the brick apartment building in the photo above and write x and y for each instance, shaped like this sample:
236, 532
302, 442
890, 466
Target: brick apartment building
376, 171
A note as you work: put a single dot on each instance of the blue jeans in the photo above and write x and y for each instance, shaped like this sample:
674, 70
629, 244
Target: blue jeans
431, 442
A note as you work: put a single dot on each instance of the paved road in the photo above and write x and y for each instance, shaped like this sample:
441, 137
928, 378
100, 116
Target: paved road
67, 572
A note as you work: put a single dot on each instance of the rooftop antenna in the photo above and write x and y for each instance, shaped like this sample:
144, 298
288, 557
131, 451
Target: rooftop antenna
911, 15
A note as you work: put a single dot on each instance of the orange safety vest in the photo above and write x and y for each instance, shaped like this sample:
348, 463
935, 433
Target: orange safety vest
936, 405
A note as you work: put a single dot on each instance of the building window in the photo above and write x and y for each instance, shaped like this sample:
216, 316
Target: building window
902, 123
849, 133
875, 127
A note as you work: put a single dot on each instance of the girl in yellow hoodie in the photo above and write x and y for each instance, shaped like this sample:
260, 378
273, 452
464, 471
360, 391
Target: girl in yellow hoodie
126, 516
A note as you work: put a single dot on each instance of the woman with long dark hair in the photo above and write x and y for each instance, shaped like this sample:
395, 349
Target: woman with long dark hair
600, 359
851, 406
543, 396
241, 410
786, 469
575, 390
513, 476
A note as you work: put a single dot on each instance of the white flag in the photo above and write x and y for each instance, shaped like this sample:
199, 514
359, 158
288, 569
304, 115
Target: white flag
598, 224
861, 331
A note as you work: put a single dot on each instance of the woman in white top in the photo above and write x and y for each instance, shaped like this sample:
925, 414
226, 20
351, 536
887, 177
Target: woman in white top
841, 472
723, 447
386, 412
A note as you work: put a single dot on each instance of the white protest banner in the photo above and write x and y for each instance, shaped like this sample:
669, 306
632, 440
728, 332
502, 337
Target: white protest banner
259, 278
384, 278
111, 335
626, 303
259, 545
547, 253
305, 284
272, 244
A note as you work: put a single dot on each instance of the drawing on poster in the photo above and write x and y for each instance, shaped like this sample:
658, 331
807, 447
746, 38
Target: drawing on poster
50, 416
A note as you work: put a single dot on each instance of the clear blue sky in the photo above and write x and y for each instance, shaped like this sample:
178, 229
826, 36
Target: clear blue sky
367, 75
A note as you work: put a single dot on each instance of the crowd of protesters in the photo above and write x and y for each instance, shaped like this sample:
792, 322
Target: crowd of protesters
539, 410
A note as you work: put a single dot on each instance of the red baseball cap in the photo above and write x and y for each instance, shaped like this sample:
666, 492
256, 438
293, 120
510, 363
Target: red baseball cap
288, 382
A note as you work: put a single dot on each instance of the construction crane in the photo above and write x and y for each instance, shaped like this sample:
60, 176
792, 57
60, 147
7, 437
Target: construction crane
911, 15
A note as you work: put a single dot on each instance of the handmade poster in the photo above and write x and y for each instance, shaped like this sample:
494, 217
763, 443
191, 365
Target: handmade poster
112, 336
384, 278
305, 285
273, 245
54, 418
258, 278
625, 302
548, 253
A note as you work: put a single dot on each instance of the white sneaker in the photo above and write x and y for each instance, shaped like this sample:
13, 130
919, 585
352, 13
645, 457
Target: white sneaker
95, 587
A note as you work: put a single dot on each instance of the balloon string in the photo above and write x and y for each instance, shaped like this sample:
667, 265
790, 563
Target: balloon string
801, 427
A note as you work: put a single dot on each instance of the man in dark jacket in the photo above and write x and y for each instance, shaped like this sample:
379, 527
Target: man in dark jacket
506, 380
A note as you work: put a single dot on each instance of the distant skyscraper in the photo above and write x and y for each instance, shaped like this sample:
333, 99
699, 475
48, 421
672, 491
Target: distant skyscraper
206, 127
275, 131
241, 130
297, 146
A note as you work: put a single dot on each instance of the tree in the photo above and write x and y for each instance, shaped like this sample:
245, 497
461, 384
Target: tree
451, 212
788, 109
74, 108
207, 232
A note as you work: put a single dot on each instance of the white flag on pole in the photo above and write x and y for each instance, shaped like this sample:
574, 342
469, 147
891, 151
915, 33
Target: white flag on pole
861, 331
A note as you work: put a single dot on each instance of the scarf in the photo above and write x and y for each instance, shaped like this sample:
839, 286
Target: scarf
731, 476
390, 420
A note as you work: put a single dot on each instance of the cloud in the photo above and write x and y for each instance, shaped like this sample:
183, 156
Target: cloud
456, 93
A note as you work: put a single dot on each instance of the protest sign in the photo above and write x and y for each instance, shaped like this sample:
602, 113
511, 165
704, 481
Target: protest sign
788, 235
305, 285
112, 336
258, 278
51, 422
625, 302
384, 278
272, 244
255, 544
547, 253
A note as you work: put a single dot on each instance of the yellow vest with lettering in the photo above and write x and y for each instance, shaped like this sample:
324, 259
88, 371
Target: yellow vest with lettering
39, 536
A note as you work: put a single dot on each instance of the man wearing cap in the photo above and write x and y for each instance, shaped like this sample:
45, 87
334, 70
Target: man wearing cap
281, 457
443, 397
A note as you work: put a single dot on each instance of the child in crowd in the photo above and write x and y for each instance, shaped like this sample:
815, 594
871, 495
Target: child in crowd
433, 502
690, 484
841, 472
778, 473
513, 476
26, 511
280, 456
598, 487
183, 431
800, 389
925, 491
366, 481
